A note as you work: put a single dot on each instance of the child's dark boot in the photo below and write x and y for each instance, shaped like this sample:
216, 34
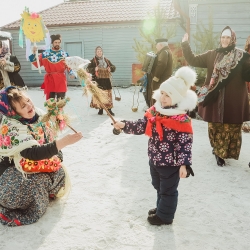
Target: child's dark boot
100, 112
153, 219
152, 211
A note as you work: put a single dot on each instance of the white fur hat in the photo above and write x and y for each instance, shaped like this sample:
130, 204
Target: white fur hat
178, 89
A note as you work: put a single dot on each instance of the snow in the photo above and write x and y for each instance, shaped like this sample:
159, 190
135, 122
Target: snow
111, 192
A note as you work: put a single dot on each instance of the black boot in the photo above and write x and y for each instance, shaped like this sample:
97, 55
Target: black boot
110, 111
152, 211
220, 161
100, 112
153, 219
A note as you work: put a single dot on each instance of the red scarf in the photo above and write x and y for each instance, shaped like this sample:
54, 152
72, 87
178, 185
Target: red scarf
166, 121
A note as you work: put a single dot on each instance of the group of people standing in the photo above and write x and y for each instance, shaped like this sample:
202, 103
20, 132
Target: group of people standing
26, 142
223, 100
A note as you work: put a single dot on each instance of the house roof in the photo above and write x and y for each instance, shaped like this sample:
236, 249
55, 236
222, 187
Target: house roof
96, 12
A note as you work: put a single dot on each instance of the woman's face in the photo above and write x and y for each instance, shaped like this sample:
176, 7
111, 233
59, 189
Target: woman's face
99, 52
1, 50
225, 40
25, 108
165, 99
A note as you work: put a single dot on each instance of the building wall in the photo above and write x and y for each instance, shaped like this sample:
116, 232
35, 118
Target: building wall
234, 13
116, 40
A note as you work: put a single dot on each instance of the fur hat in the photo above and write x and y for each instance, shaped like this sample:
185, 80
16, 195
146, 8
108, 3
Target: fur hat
178, 89
55, 37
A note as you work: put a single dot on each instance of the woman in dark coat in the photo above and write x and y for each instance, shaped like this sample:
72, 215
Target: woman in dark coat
100, 68
9, 68
223, 100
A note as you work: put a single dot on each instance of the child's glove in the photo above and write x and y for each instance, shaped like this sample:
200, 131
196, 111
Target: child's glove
189, 171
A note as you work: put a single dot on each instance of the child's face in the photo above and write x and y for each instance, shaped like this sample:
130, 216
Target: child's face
165, 99
25, 108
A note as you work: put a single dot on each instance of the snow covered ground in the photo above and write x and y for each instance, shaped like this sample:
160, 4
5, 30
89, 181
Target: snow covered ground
112, 192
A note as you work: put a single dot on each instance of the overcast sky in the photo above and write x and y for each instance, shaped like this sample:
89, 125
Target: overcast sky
13, 8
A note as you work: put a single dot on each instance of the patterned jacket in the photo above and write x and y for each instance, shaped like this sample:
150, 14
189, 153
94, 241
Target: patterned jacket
173, 147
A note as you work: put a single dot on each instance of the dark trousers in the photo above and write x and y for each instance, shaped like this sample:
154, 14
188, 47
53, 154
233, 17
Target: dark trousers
57, 95
165, 180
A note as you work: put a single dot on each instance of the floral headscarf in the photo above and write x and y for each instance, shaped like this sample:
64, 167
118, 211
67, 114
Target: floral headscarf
5, 50
8, 111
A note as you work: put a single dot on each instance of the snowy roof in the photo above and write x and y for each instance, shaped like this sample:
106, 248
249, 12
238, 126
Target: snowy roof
5, 35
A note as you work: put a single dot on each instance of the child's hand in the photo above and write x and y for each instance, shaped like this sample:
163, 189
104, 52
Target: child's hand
185, 38
119, 125
183, 171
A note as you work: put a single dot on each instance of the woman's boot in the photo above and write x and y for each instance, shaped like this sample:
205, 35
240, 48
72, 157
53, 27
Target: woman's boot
220, 161
110, 111
100, 112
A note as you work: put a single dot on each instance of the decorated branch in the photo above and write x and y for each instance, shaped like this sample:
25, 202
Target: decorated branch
55, 113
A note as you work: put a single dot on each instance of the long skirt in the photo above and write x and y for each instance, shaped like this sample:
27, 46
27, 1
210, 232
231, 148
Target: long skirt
225, 139
24, 201
109, 100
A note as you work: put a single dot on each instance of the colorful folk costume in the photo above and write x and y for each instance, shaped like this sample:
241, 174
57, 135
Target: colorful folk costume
9, 72
161, 70
55, 82
223, 100
170, 141
103, 78
31, 171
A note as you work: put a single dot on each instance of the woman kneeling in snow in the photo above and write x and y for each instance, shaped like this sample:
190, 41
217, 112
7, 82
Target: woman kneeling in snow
31, 171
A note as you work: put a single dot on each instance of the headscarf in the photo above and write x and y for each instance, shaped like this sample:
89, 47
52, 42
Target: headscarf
247, 45
8, 111
101, 60
226, 60
5, 49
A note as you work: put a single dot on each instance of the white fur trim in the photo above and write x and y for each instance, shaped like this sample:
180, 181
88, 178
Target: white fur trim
189, 102
187, 74
168, 112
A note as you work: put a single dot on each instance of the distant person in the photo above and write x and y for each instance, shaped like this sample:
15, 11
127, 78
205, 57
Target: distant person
143, 81
101, 68
55, 82
161, 70
247, 49
9, 68
223, 100
170, 141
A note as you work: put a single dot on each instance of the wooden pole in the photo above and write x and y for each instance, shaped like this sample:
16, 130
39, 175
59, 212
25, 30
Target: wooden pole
37, 59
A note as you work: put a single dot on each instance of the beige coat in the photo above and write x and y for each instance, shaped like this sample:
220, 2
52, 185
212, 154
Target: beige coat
8, 67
